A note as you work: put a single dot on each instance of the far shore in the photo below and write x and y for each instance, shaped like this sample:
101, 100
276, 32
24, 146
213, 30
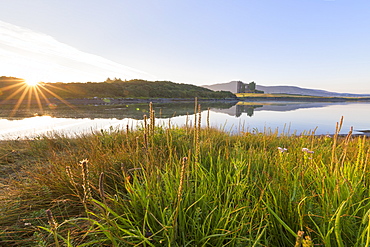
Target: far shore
107, 100
297, 98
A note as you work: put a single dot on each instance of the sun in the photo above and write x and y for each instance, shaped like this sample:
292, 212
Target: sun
32, 83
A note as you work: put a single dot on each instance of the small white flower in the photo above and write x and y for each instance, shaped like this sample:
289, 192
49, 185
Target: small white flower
306, 150
282, 150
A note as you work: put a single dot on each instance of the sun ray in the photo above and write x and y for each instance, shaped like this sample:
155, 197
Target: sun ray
12, 86
19, 102
35, 92
38, 91
38, 100
50, 85
58, 97
30, 97
15, 93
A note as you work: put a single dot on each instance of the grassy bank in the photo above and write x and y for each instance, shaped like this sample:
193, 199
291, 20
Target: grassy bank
293, 97
187, 186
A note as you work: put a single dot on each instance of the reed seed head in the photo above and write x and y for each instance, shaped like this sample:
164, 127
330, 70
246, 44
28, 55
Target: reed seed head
307, 242
51, 220
85, 180
101, 185
299, 238
70, 175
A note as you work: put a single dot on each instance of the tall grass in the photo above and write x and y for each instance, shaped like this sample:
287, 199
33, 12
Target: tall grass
185, 186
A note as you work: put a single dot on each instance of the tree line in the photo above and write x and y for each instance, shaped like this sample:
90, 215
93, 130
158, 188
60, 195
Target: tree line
116, 88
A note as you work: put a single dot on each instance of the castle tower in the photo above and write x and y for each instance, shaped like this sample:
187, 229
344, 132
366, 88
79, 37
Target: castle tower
240, 87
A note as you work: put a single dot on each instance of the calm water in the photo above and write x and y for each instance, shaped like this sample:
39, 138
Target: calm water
286, 117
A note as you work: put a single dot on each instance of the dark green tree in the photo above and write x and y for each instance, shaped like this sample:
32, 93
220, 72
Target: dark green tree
252, 86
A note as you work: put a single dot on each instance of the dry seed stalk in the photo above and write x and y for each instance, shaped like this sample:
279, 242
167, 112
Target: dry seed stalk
199, 117
195, 109
53, 224
179, 193
299, 238
208, 125
361, 154
307, 242
346, 141
101, 186
51, 220
338, 127
187, 122
197, 135
182, 177
145, 117
304, 242
72, 181
146, 132
195, 113
152, 119
70, 175
85, 180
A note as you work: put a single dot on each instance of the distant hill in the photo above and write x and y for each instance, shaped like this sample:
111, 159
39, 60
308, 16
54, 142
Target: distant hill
11, 86
231, 86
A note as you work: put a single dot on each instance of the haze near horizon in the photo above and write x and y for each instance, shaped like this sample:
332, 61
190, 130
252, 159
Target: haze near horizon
312, 44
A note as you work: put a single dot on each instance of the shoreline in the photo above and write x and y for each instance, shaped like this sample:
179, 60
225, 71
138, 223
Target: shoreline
108, 100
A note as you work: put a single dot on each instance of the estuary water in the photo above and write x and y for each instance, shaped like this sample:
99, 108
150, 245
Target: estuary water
284, 117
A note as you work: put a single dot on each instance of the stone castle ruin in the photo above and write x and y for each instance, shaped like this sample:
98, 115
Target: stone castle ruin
242, 87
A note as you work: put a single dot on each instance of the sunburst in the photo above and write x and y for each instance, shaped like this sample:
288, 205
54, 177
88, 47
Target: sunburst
32, 83
34, 91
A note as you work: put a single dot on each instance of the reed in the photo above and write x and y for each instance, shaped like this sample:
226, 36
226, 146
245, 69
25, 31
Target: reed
53, 226
85, 181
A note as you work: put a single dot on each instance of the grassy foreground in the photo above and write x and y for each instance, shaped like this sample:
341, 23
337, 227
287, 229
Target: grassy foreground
187, 186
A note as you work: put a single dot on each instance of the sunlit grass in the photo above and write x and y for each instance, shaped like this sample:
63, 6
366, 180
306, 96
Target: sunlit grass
185, 186
273, 95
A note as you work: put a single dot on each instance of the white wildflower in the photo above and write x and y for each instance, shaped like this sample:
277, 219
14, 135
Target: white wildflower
282, 150
306, 150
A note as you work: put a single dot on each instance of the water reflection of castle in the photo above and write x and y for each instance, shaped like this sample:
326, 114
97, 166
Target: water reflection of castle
249, 109
237, 110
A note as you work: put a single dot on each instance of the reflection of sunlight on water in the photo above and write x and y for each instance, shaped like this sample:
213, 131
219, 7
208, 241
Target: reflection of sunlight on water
41, 125
34, 123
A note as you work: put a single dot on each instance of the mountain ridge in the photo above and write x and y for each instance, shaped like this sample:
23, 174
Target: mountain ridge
294, 90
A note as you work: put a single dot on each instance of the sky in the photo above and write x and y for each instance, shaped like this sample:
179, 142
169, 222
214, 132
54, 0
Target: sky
318, 44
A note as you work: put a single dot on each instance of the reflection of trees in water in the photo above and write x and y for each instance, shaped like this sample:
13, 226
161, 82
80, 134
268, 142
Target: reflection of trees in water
249, 109
118, 111
180, 109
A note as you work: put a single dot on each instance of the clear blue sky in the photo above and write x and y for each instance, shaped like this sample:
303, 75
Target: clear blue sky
322, 44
